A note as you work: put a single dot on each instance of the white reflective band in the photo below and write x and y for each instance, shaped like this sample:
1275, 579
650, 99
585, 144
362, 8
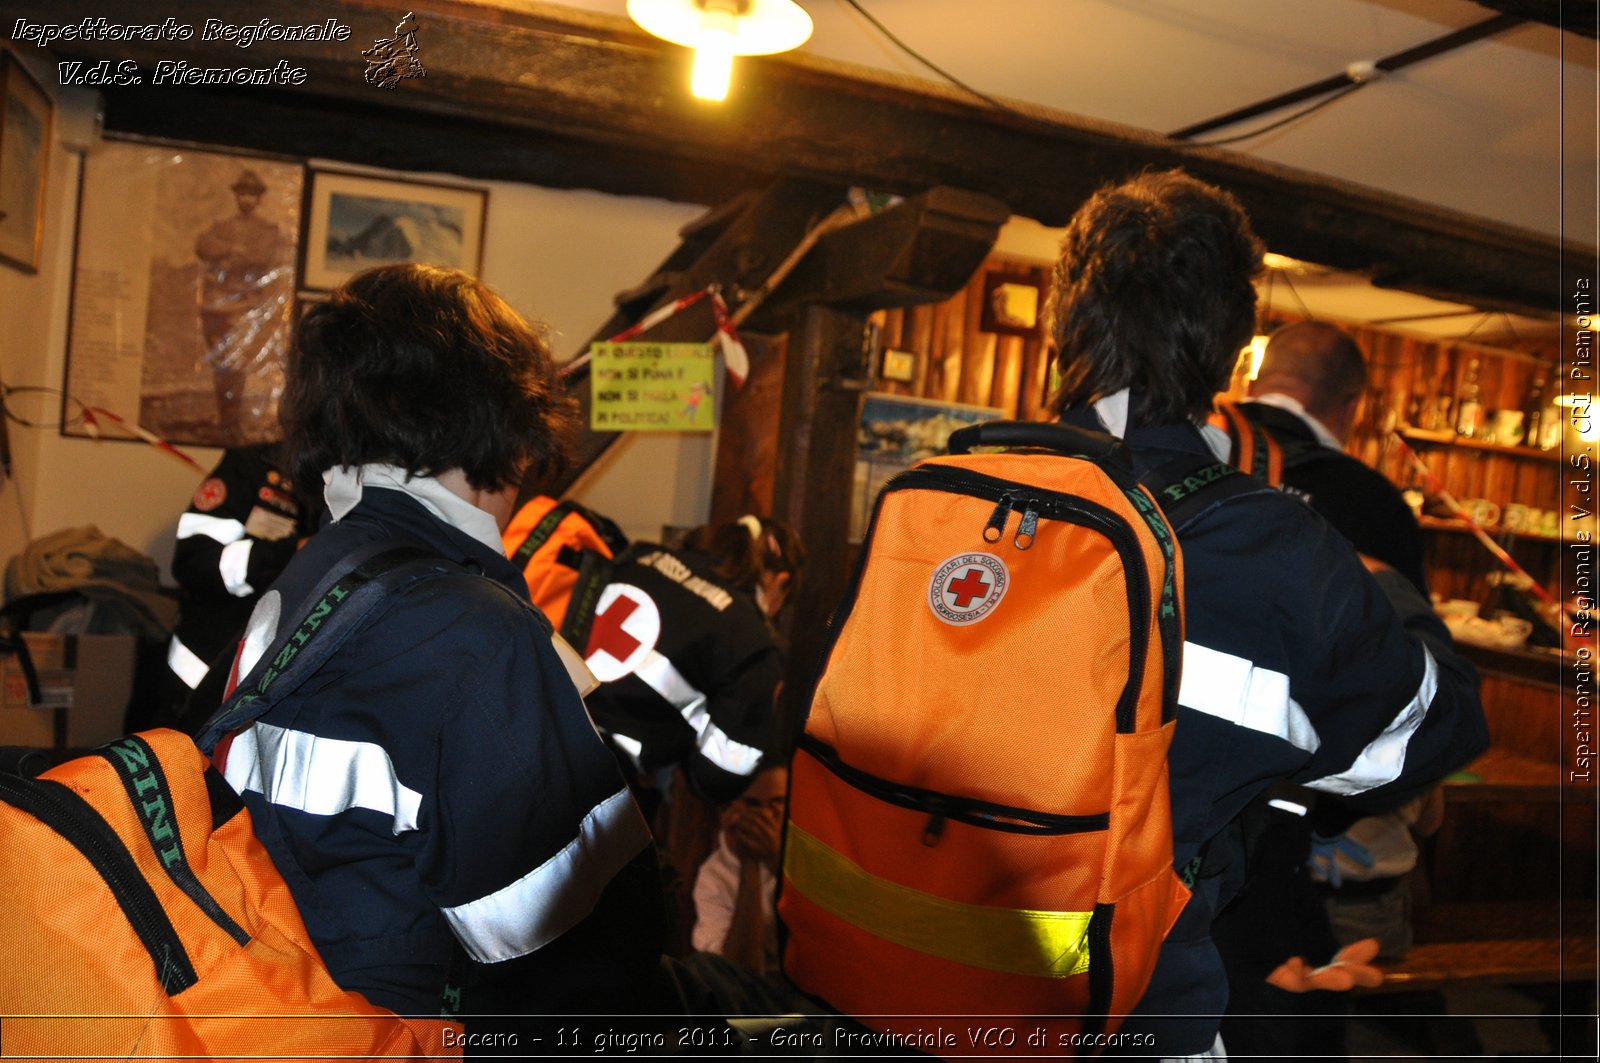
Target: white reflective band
261, 630
659, 675
1291, 807
186, 664
1385, 757
631, 746
321, 776
235, 568
221, 529
1233, 689
558, 894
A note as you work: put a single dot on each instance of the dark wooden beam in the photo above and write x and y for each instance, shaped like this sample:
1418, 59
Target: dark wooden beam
598, 81
355, 131
1574, 16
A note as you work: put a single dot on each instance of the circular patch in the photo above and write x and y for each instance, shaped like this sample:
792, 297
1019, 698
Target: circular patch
210, 495
626, 626
967, 587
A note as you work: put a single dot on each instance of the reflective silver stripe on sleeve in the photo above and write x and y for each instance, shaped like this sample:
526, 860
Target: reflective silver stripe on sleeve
558, 894
1234, 689
186, 664
235, 568
659, 675
222, 529
260, 631
321, 776
1385, 756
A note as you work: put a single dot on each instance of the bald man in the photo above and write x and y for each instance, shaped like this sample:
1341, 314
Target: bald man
1307, 395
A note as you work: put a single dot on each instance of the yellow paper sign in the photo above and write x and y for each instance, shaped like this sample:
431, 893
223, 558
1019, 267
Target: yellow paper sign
652, 387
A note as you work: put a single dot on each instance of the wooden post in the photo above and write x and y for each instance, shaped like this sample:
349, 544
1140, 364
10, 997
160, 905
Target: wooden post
816, 467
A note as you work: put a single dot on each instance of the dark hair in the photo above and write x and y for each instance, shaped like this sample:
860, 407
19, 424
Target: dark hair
1153, 291
428, 370
740, 555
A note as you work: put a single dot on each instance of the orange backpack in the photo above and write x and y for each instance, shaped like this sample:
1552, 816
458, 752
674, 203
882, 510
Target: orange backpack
563, 550
143, 919
978, 815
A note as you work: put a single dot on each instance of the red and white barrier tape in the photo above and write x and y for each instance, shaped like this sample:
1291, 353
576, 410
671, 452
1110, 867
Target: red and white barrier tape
734, 355
92, 426
1462, 513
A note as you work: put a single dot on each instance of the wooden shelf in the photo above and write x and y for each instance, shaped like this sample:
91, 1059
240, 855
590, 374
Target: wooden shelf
1428, 437
1448, 524
1534, 664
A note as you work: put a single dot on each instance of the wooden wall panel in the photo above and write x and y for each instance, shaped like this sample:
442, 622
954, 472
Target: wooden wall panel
1412, 382
956, 361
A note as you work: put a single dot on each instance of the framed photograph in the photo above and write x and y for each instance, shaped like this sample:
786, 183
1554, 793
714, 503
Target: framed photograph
25, 116
183, 290
1012, 303
354, 222
895, 433
899, 366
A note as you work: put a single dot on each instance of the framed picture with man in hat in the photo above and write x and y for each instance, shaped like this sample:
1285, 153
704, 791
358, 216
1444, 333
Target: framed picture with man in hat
184, 290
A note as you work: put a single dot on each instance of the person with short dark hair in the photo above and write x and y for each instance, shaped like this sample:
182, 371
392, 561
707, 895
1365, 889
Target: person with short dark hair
1298, 664
435, 793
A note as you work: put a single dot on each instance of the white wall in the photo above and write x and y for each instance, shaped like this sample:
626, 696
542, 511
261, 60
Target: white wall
559, 256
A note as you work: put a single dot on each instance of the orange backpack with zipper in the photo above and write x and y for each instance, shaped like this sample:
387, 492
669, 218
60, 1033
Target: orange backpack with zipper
142, 919
978, 822
564, 551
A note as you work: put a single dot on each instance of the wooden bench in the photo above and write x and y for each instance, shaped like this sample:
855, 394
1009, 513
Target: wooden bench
1499, 943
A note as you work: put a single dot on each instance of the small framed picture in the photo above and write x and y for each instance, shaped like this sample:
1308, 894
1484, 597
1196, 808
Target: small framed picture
26, 112
1012, 303
898, 365
354, 222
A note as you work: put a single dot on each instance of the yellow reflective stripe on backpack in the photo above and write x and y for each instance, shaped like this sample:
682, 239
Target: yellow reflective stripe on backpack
1011, 940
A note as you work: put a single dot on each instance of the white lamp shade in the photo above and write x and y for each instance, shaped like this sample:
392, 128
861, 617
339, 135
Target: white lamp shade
762, 27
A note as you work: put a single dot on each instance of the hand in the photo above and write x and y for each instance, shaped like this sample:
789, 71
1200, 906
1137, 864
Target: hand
1351, 966
755, 833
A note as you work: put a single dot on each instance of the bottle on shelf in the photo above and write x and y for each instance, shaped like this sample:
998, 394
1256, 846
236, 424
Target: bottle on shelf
1469, 402
1533, 410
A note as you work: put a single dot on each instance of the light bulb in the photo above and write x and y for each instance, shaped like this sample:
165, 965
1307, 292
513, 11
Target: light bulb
713, 66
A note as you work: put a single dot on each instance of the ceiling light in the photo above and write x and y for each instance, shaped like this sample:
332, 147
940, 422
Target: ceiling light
718, 30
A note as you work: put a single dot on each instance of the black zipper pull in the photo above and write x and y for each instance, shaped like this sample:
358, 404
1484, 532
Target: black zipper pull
1029, 526
934, 830
997, 520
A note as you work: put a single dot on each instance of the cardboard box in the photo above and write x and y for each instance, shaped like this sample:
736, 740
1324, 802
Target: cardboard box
85, 682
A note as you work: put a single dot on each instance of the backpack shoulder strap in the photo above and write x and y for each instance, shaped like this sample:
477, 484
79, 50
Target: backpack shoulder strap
1192, 484
595, 571
1256, 451
541, 532
604, 528
340, 601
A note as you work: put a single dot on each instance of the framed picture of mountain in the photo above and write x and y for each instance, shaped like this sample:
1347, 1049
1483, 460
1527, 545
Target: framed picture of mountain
355, 222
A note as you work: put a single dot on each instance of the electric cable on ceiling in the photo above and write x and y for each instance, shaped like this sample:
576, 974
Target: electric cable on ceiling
1353, 77
931, 65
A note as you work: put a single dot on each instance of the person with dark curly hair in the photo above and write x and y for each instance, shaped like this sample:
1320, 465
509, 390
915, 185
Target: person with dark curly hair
1302, 660
435, 794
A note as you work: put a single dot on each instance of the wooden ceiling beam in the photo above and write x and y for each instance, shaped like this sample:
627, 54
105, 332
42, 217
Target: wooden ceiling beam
543, 94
